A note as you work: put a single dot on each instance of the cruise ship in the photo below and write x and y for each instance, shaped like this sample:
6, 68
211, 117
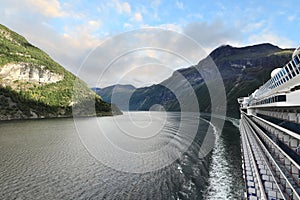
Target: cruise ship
270, 135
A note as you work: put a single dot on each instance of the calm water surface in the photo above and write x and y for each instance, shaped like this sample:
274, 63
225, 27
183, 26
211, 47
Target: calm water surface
45, 159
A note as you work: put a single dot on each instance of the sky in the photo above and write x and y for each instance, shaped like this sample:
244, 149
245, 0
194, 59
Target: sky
78, 33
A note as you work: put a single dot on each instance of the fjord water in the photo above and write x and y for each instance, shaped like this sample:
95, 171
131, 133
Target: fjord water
45, 159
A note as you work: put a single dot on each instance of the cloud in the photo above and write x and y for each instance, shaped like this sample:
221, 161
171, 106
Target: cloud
137, 17
268, 37
179, 5
68, 48
172, 27
122, 7
291, 18
94, 25
254, 26
72, 37
126, 7
127, 25
71, 47
212, 35
155, 3
50, 8
119, 59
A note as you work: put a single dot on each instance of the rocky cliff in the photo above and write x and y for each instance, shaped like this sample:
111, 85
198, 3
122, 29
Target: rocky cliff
27, 72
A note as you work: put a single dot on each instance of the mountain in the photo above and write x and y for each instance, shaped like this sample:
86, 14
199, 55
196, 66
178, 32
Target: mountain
32, 85
120, 94
242, 69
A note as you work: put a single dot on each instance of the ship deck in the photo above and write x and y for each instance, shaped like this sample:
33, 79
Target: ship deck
270, 159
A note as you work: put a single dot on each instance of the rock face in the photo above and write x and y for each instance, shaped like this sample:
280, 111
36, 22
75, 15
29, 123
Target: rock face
27, 72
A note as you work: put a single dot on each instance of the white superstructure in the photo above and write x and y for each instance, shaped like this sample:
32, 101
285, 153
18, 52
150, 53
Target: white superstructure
270, 134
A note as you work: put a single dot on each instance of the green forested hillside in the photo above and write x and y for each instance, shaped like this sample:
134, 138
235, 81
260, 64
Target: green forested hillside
32, 85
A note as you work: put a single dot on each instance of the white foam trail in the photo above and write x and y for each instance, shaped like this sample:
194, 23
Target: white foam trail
218, 180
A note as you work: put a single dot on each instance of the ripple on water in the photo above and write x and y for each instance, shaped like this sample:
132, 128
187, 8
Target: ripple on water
45, 159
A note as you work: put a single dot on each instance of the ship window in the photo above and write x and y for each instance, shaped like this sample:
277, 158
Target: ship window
287, 78
296, 60
290, 67
286, 69
281, 98
293, 73
283, 71
290, 76
295, 68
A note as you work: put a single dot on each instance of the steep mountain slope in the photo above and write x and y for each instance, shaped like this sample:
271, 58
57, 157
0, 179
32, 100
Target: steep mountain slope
242, 70
32, 85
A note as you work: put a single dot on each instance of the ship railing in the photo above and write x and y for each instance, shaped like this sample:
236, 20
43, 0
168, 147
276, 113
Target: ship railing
290, 136
272, 151
252, 162
288, 116
290, 168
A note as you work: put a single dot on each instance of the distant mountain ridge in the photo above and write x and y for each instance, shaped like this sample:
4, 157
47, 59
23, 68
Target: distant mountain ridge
243, 70
32, 85
120, 94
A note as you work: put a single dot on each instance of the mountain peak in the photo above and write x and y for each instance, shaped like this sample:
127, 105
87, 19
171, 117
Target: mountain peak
227, 50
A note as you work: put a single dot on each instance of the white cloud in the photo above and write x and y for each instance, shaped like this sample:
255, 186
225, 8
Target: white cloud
122, 7
49, 8
68, 48
179, 5
254, 26
291, 17
72, 46
268, 37
155, 3
212, 35
127, 25
137, 17
94, 25
145, 47
172, 27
